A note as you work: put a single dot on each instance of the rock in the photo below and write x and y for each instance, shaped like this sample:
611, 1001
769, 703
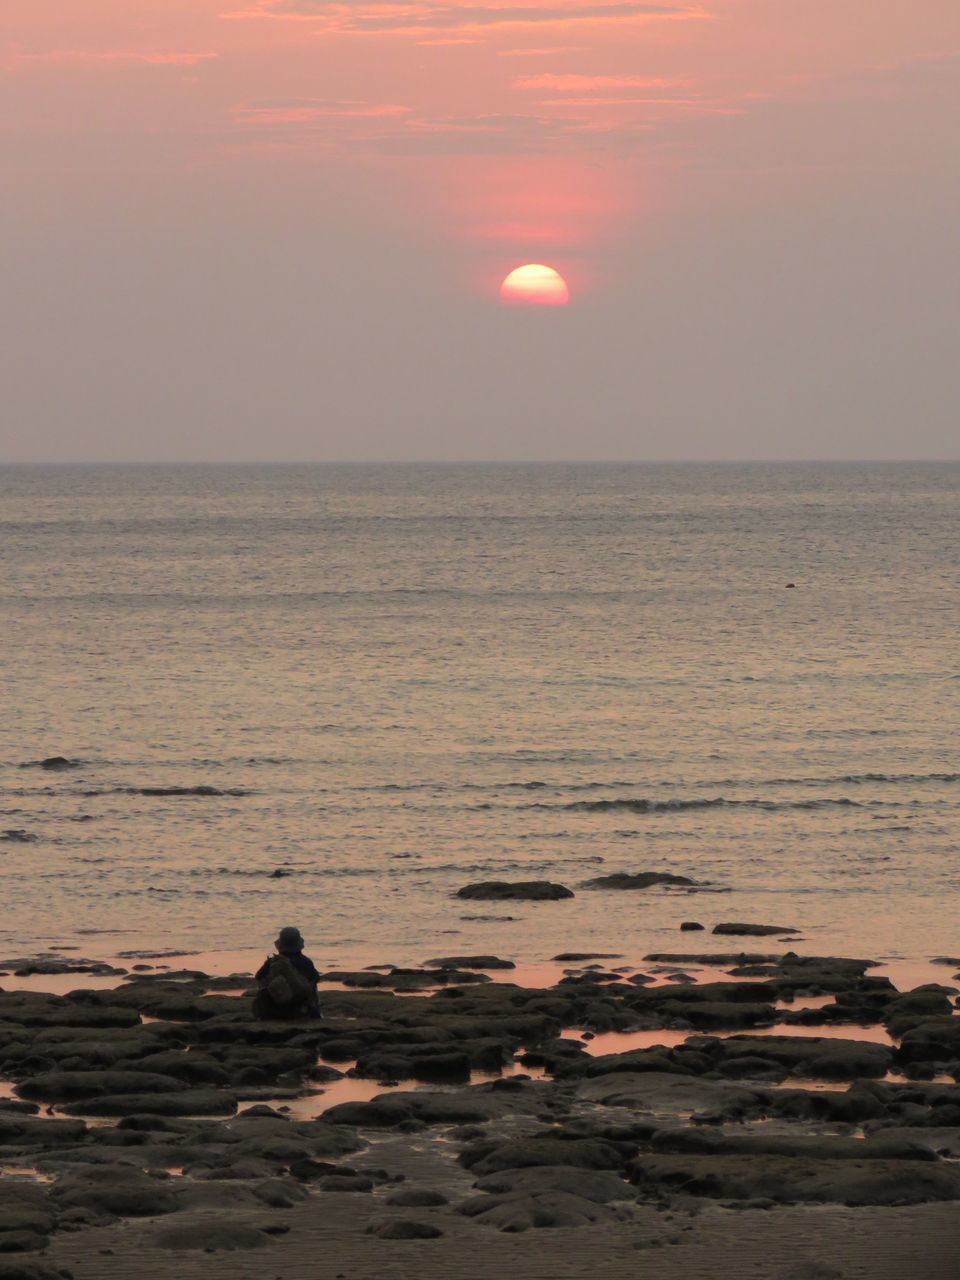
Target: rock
720, 1015
44, 967
473, 1105
714, 960
934, 1040
470, 962
812, 1057
520, 890
17, 835
187, 1102
807, 1146
67, 1086
597, 1185
666, 1095
30, 1270
691, 926
212, 1237
52, 763
195, 1067
405, 1230
26, 1219
123, 1192
416, 1198
792, 1180
572, 956
347, 1181
754, 930
809, 1270
523, 1211
521, 1153
637, 880
385, 1112
34, 1131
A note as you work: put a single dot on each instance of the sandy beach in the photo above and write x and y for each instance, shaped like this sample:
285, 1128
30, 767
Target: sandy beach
767, 1114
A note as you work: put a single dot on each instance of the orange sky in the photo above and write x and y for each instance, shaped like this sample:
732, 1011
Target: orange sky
481, 134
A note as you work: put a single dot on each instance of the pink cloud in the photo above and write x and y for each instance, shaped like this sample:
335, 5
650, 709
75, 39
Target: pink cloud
419, 16
575, 82
109, 57
536, 53
308, 113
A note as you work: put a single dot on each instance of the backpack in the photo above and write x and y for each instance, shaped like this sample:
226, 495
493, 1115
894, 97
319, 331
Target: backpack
284, 986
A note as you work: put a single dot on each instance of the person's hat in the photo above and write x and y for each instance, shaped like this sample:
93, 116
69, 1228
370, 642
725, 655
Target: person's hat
290, 939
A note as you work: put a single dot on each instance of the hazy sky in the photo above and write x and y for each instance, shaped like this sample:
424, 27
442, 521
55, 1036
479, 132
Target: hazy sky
276, 228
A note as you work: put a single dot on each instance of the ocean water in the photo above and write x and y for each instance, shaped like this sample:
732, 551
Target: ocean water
389, 681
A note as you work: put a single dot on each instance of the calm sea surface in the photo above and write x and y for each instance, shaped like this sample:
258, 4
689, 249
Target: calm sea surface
401, 679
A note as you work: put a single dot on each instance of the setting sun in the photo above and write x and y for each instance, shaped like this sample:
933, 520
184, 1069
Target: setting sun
535, 285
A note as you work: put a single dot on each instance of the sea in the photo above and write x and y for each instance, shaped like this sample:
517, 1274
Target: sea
331, 695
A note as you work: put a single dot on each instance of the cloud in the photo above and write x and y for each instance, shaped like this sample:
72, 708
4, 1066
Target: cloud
503, 134
312, 111
536, 53
573, 82
388, 17
696, 105
107, 57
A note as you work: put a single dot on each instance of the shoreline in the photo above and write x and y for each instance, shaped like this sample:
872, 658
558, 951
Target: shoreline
548, 1114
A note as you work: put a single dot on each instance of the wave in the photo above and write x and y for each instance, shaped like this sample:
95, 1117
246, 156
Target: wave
851, 779
166, 791
643, 805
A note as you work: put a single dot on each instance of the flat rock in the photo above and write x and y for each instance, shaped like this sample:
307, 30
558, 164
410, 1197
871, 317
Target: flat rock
812, 1057
121, 1192
754, 930
598, 1185
524, 1211
187, 1102
405, 1230
212, 1237
791, 1180
667, 1096
519, 890
572, 956
699, 1141
417, 1198
470, 962
34, 1131
68, 1086
521, 1153
28, 1269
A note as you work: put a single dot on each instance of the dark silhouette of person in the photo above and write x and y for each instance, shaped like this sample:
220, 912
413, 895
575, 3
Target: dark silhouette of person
289, 945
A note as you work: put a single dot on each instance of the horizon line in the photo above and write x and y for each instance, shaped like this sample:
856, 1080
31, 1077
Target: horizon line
475, 462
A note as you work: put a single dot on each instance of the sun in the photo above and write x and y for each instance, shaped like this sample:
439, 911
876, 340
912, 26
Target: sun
535, 285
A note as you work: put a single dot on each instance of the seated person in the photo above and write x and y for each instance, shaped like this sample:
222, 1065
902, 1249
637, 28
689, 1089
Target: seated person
287, 981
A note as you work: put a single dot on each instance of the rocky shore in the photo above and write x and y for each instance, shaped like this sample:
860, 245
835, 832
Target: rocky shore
794, 1118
